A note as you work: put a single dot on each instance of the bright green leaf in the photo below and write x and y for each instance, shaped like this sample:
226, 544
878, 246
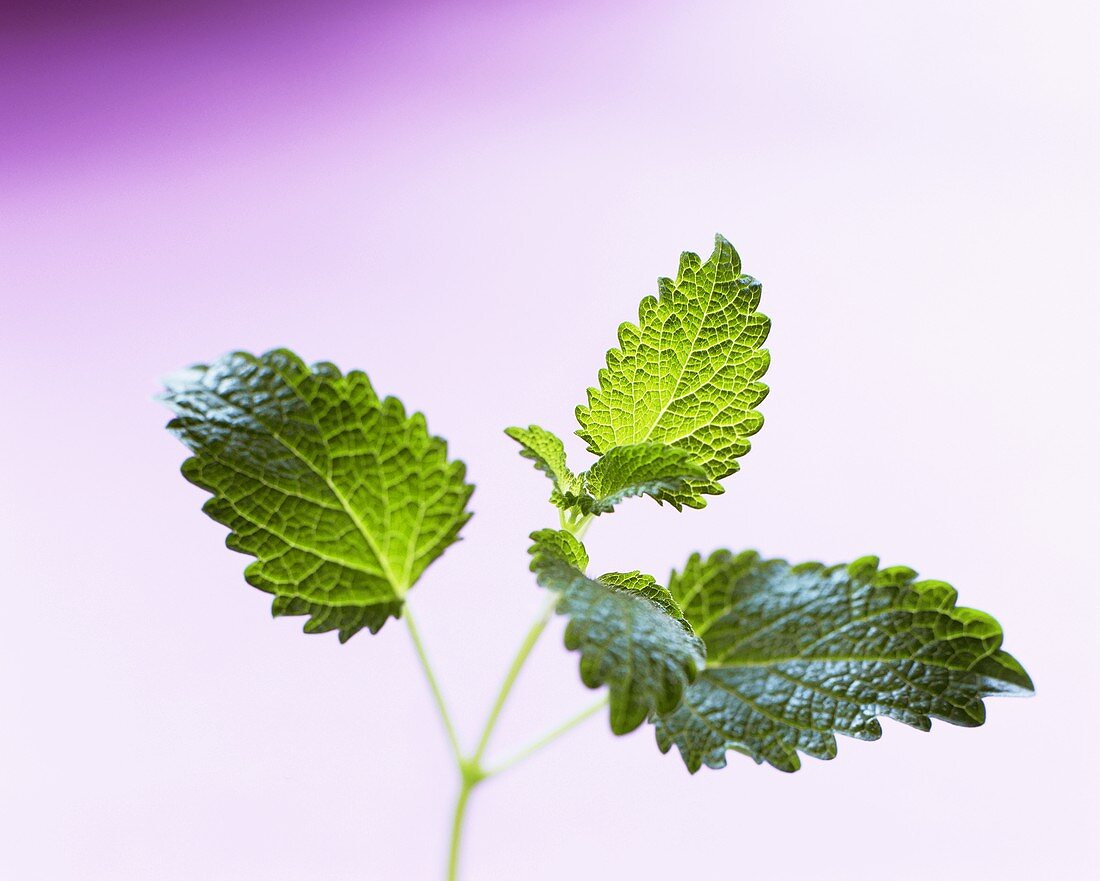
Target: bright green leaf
342, 498
557, 554
796, 653
653, 469
647, 586
688, 373
627, 639
546, 450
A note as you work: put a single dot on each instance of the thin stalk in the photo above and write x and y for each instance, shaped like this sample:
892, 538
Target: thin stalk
471, 770
520, 659
575, 522
456, 828
433, 683
581, 526
549, 737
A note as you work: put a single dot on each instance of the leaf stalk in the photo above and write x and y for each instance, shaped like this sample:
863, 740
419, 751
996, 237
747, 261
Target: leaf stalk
433, 684
470, 768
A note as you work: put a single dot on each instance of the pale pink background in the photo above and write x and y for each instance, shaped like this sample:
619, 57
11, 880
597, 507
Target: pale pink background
465, 199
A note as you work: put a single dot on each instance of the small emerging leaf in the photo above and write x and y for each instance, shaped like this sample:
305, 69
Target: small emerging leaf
796, 653
342, 498
546, 450
654, 469
688, 373
621, 625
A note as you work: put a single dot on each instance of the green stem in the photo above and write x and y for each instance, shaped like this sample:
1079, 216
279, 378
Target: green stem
549, 738
575, 522
456, 828
433, 683
520, 659
471, 770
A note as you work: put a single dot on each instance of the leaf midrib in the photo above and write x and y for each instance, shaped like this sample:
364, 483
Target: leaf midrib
399, 588
687, 357
845, 659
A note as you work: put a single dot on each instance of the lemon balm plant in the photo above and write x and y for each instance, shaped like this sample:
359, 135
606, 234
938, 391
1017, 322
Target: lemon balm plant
344, 499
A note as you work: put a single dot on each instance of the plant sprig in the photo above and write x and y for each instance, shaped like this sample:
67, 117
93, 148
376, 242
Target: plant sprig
343, 499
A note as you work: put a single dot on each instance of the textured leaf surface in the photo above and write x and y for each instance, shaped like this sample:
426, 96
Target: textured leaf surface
627, 639
796, 653
654, 469
342, 498
647, 586
688, 373
546, 450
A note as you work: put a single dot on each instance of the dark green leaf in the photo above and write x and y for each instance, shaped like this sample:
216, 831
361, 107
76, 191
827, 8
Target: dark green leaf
796, 653
620, 625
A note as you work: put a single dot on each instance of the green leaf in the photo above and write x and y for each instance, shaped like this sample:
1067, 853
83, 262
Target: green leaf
654, 469
647, 586
626, 637
546, 450
342, 498
557, 554
688, 373
796, 653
